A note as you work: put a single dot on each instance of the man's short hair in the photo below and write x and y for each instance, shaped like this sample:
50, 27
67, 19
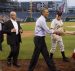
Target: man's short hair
12, 12
43, 9
59, 13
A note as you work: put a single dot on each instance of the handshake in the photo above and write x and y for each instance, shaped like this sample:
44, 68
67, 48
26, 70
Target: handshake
59, 32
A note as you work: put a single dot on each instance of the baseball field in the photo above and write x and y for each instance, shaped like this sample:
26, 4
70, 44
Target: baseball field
27, 47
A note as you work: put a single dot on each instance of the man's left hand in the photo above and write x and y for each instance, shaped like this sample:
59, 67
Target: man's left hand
21, 31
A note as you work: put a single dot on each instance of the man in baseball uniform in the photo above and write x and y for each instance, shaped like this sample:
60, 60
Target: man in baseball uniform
57, 24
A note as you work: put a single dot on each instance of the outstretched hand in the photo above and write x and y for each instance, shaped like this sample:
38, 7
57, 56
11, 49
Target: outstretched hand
70, 32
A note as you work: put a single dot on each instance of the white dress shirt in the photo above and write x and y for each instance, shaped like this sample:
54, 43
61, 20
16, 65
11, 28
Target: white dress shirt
41, 27
0, 26
15, 25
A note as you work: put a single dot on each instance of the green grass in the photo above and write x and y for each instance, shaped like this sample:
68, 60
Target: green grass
27, 45
28, 26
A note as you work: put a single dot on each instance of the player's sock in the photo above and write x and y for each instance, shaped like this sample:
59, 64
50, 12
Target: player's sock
64, 57
51, 55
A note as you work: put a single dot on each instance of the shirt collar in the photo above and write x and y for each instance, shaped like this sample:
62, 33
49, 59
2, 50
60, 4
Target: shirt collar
43, 17
12, 19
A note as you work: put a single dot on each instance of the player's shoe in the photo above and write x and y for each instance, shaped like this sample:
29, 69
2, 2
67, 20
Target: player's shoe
66, 59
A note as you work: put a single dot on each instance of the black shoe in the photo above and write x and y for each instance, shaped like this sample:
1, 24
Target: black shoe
8, 63
16, 65
66, 59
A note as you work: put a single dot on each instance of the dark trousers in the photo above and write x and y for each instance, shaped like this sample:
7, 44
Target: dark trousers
40, 47
14, 53
0, 46
1, 40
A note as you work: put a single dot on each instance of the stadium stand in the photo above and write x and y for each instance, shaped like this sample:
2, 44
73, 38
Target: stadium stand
23, 12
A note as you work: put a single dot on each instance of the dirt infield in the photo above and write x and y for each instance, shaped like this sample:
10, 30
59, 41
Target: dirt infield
41, 65
27, 33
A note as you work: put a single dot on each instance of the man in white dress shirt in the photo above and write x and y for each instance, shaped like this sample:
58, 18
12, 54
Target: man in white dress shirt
57, 24
39, 41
